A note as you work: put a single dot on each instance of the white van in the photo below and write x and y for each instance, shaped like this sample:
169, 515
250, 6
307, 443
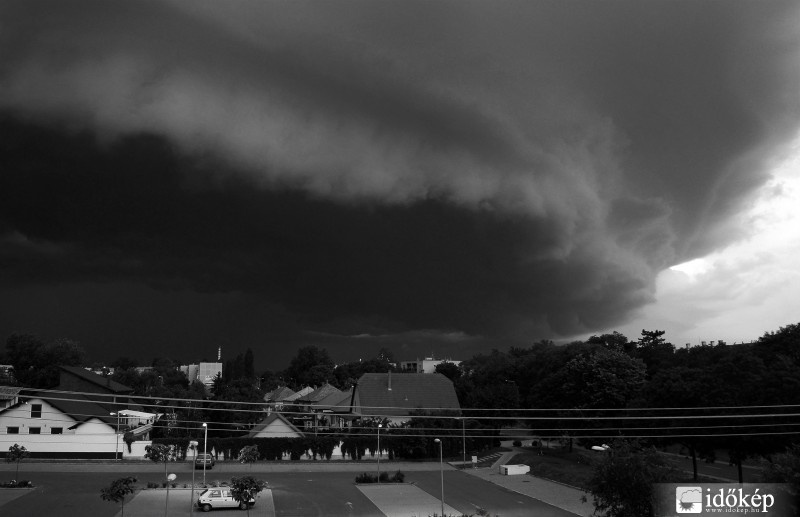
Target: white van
220, 498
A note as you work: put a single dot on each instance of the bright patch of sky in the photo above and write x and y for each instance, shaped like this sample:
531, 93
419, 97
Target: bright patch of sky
738, 293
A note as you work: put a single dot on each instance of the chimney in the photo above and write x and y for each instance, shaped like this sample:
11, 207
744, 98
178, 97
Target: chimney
390, 380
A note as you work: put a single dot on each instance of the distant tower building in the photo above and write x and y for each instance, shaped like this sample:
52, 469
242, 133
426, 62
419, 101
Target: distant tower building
219, 354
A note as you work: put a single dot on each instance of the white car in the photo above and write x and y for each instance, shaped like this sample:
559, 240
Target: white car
220, 498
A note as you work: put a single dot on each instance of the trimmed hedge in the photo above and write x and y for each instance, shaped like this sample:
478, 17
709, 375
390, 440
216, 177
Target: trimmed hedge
394, 441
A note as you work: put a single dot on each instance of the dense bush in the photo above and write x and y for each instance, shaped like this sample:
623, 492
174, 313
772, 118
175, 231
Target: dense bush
17, 484
353, 446
397, 477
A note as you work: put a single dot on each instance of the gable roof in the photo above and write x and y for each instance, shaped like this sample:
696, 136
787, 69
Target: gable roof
9, 392
270, 420
279, 394
105, 382
335, 402
78, 407
384, 394
305, 391
320, 393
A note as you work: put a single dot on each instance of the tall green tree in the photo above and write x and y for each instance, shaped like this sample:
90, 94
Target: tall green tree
449, 370
36, 363
655, 351
249, 365
312, 366
623, 482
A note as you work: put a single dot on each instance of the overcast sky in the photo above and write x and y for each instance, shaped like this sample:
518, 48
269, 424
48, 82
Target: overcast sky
437, 177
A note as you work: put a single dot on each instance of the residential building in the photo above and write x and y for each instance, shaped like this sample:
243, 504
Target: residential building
60, 425
203, 372
7, 374
275, 425
9, 395
303, 392
278, 397
114, 396
305, 412
397, 397
427, 365
333, 412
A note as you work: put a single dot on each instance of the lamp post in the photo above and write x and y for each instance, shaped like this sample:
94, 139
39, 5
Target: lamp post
205, 448
379, 452
463, 442
193, 445
170, 479
441, 471
116, 437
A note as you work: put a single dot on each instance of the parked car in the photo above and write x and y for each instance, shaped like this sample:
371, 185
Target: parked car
204, 459
220, 498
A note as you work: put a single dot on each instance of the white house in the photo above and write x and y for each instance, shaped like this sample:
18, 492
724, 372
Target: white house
275, 426
59, 426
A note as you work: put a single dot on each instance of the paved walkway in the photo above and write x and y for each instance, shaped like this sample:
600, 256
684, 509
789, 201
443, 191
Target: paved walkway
405, 501
557, 494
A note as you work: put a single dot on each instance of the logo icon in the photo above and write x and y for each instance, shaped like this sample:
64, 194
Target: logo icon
689, 499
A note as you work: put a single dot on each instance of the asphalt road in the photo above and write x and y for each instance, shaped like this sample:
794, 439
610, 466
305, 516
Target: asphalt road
68, 490
469, 493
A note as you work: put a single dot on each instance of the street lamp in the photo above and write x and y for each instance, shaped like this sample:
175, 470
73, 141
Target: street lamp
205, 448
193, 445
441, 471
170, 479
379, 452
463, 441
116, 435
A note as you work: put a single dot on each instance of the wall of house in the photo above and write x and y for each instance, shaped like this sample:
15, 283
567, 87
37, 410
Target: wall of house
63, 445
137, 451
20, 416
278, 429
94, 439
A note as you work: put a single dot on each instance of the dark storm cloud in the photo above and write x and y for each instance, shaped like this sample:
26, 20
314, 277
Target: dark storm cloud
513, 169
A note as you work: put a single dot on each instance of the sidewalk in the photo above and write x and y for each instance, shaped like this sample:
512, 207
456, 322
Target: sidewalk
559, 495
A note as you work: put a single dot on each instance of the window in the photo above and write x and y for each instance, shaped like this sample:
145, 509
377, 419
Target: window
56, 430
34, 430
36, 411
215, 493
12, 430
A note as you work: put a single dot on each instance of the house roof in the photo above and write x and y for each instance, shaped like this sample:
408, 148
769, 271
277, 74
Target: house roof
279, 394
320, 393
268, 421
305, 391
336, 402
80, 408
105, 382
384, 394
9, 392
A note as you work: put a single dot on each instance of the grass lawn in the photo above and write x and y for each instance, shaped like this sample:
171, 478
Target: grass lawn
574, 468
571, 468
